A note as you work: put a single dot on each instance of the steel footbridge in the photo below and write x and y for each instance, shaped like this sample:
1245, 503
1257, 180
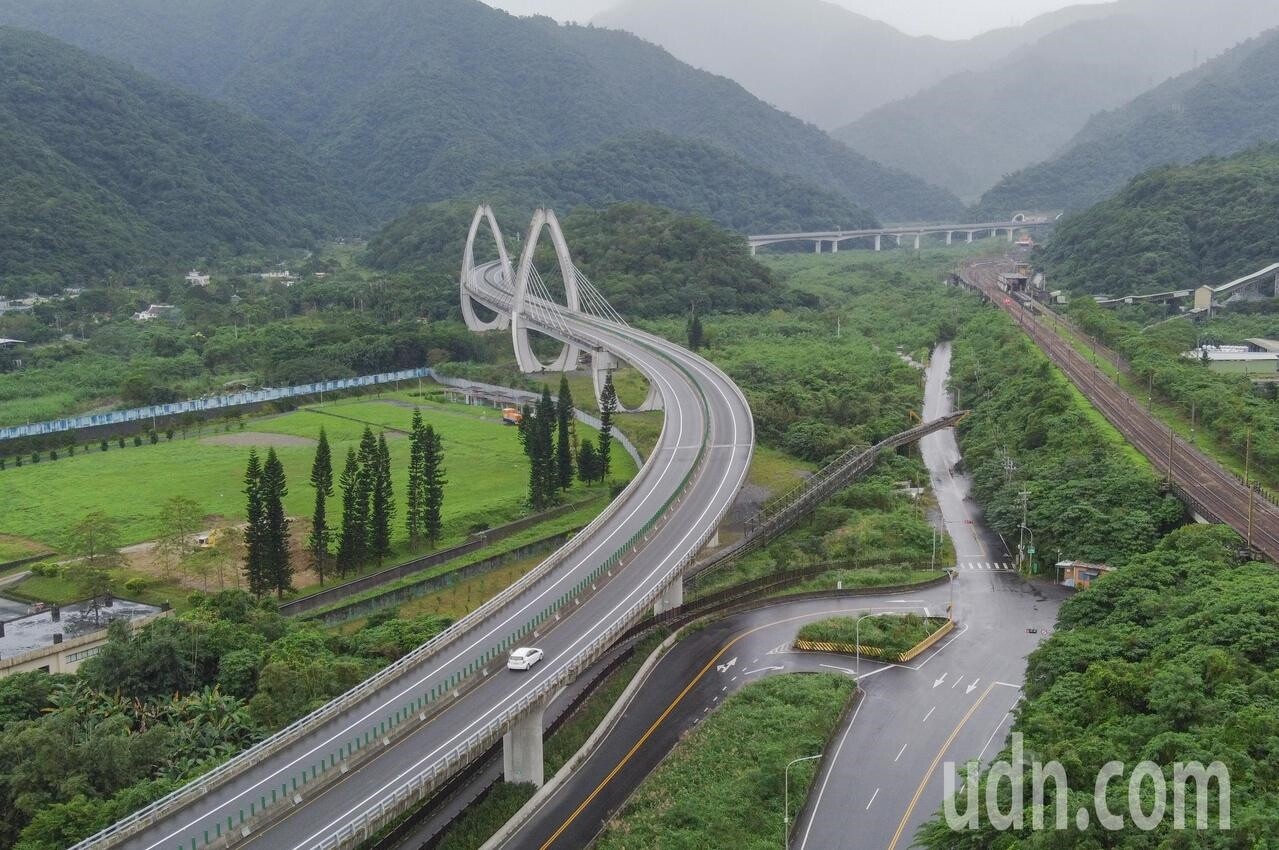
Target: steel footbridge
341, 774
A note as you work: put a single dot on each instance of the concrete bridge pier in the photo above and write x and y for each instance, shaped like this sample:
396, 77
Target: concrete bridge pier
970, 237
754, 250
899, 240
817, 246
919, 238
950, 237
1012, 234
834, 247
672, 597
879, 240
522, 757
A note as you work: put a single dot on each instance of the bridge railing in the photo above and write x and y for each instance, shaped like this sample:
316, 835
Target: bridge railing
435, 699
393, 804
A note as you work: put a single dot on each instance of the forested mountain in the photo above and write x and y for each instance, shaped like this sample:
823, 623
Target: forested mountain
648, 261
1219, 108
812, 58
102, 168
679, 174
1174, 227
969, 130
412, 100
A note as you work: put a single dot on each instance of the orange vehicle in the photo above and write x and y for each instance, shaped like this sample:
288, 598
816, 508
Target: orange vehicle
511, 416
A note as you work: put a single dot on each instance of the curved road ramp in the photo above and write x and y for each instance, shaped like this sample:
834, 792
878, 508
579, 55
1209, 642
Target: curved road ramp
339, 775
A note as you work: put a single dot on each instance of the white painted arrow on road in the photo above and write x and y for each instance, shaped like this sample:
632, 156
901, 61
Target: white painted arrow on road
761, 670
939, 681
972, 687
724, 668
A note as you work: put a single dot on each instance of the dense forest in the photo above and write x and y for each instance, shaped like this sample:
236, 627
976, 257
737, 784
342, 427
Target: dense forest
679, 174
1090, 497
1174, 228
104, 170
157, 708
1175, 658
647, 260
413, 101
1219, 108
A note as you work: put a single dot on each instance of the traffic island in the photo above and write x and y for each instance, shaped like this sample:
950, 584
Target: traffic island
896, 638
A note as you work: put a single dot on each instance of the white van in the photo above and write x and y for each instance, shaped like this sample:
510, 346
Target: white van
524, 658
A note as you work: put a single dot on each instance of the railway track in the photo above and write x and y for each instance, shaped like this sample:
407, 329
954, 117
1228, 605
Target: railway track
1213, 492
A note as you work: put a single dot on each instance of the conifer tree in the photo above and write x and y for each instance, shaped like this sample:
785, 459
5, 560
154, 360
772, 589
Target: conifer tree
696, 333
587, 463
275, 526
351, 541
254, 544
322, 481
365, 483
608, 406
381, 501
414, 510
433, 482
563, 439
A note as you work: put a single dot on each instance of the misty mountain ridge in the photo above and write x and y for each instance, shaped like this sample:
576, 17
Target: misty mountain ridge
969, 130
412, 101
1221, 107
815, 59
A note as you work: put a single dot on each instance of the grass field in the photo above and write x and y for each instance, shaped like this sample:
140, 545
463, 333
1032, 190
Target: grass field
487, 472
722, 787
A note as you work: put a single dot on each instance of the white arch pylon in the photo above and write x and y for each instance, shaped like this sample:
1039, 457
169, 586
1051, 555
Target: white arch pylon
524, 356
483, 213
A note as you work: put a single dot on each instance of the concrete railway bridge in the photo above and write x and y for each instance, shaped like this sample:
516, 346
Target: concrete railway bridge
917, 232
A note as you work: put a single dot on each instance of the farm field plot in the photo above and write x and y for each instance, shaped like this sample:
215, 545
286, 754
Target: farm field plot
486, 469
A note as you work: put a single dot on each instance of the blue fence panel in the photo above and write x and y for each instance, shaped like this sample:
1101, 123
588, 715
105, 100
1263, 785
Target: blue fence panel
214, 403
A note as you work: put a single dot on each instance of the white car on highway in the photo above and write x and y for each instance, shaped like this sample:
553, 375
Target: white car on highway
524, 658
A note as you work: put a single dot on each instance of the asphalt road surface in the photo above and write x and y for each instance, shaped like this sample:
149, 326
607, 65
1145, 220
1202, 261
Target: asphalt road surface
702, 406
883, 776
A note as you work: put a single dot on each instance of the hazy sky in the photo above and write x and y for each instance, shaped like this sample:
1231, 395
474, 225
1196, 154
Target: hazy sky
944, 18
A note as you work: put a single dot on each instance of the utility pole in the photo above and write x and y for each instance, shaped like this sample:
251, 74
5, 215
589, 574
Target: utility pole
1021, 532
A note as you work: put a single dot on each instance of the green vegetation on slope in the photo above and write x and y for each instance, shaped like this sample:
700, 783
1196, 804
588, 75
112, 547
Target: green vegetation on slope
1174, 228
104, 169
1091, 497
646, 260
723, 786
415, 101
679, 174
1173, 659
1221, 107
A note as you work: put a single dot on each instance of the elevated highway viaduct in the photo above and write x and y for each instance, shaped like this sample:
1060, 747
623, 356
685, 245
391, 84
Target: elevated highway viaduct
335, 778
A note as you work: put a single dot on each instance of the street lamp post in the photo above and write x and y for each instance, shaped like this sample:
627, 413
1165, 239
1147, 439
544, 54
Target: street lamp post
786, 799
1031, 549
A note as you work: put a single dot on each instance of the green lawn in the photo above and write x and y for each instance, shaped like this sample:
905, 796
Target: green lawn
486, 469
722, 787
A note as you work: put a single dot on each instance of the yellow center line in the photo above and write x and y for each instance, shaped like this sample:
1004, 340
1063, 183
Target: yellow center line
932, 768
662, 719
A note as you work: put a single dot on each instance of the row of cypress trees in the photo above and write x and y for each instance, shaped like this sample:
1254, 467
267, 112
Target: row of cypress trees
548, 433
368, 499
